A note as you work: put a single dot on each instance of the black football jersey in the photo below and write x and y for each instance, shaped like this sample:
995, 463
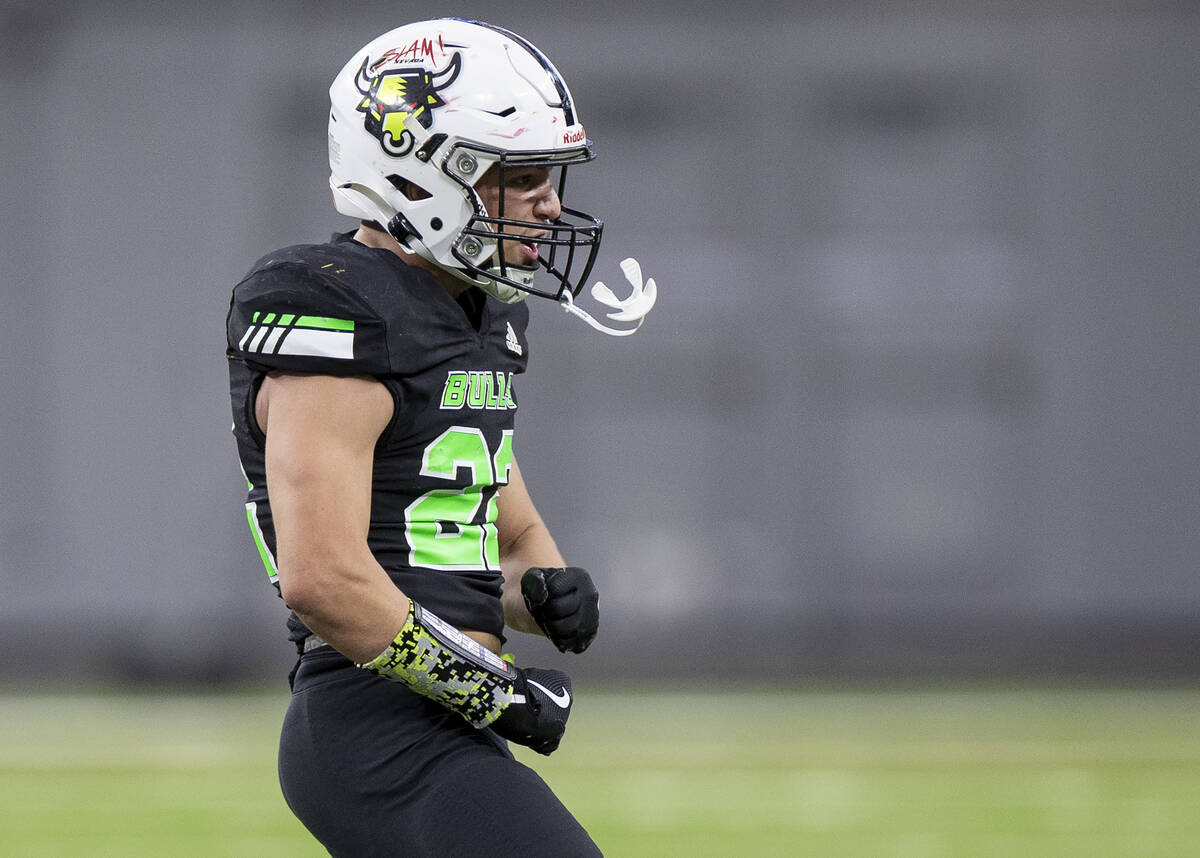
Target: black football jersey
345, 309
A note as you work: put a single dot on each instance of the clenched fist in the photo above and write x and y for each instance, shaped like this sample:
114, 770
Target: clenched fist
564, 603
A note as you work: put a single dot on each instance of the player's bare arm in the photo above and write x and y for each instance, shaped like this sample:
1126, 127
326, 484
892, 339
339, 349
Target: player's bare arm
321, 432
525, 542
542, 595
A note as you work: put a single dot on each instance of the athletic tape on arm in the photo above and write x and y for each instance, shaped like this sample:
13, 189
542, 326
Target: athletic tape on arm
438, 661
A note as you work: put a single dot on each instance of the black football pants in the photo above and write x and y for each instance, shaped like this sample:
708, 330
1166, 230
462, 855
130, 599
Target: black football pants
373, 769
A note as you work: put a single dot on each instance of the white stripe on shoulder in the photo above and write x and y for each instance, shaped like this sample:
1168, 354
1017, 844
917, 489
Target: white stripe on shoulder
307, 342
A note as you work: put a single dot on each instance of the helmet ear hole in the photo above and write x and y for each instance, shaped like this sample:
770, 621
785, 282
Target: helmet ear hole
411, 190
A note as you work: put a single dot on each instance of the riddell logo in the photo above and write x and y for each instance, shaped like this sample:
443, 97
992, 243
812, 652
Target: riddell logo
576, 136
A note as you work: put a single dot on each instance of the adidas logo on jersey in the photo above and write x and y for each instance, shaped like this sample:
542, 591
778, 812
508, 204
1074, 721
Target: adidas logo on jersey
510, 340
487, 391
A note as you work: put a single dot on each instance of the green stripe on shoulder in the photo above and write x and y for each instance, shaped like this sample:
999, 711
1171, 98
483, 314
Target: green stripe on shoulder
324, 323
317, 323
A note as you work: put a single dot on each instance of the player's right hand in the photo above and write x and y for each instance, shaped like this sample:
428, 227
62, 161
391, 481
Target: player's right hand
537, 717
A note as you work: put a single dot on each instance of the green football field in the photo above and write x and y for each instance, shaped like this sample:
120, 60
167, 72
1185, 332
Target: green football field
964, 772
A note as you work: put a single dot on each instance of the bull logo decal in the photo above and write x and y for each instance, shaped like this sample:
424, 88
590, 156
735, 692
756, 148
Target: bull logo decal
393, 99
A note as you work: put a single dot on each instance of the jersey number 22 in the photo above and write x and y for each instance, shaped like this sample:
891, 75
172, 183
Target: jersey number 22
444, 526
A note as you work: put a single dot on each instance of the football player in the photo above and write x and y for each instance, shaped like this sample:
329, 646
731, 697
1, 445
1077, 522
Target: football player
373, 385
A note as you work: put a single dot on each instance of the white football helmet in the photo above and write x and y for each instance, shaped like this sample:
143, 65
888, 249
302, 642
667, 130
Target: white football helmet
421, 113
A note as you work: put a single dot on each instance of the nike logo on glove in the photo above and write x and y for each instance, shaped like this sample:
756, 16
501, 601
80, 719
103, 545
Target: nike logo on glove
561, 700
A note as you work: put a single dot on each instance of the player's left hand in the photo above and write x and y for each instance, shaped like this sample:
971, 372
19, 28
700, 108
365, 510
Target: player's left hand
564, 603
537, 717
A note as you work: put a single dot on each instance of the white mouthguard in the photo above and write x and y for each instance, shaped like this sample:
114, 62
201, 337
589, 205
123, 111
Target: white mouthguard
631, 309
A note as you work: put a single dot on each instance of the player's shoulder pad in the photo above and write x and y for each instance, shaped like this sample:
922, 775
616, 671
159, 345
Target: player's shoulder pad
299, 310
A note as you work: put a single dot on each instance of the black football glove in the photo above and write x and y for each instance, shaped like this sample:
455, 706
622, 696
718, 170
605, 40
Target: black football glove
564, 603
537, 717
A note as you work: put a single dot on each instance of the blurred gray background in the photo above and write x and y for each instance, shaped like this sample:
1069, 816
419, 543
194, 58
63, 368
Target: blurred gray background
919, 398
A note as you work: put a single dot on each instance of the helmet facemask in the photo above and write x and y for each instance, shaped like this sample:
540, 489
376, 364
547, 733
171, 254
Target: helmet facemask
566, 246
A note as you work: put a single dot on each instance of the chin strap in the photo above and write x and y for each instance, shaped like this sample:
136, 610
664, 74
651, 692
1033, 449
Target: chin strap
631, 309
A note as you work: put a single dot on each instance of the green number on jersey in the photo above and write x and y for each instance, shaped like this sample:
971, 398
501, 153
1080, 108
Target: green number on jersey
441, 524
